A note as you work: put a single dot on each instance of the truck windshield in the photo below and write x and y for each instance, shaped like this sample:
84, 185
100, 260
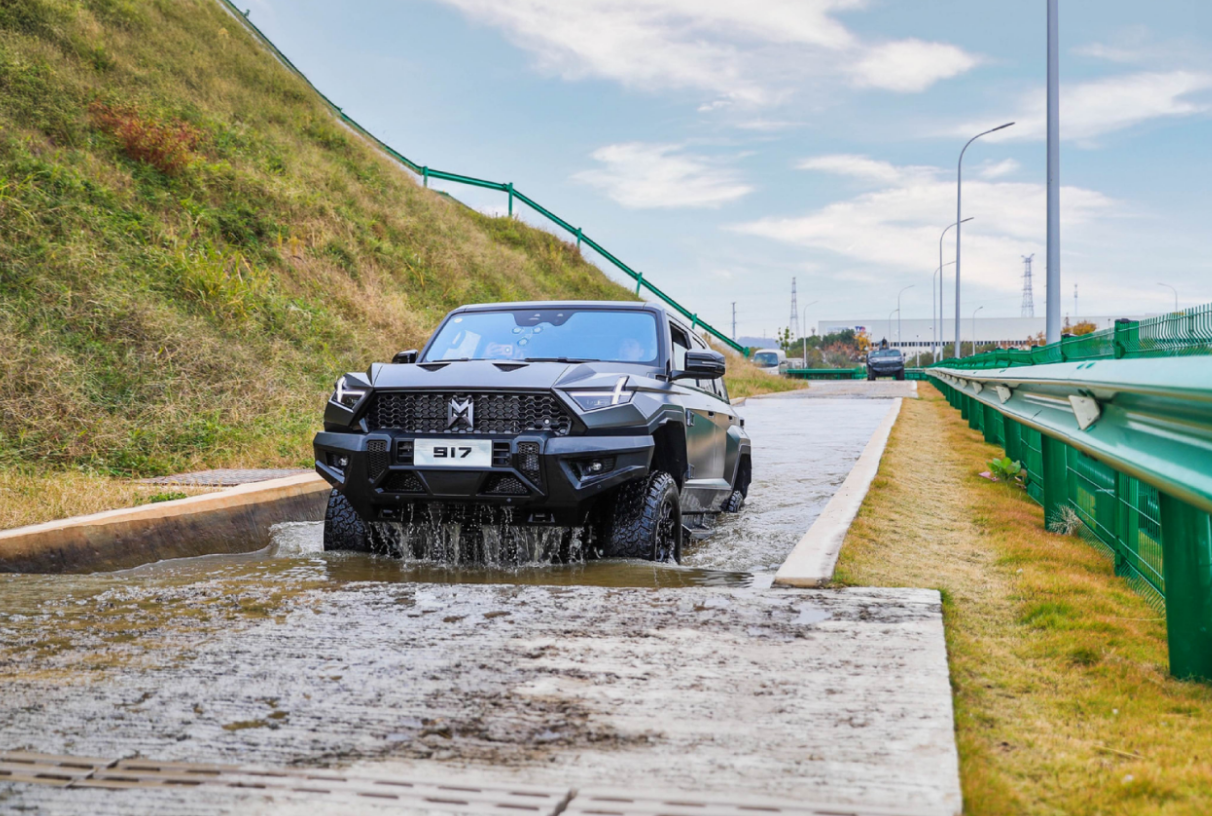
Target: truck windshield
548, 334
766, 358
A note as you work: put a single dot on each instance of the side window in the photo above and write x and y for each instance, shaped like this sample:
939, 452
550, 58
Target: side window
710, 386
681, 344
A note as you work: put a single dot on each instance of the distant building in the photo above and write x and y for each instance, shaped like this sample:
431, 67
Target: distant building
918, 334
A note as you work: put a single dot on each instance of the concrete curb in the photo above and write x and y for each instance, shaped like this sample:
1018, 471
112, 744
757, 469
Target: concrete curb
814, 558
229, 521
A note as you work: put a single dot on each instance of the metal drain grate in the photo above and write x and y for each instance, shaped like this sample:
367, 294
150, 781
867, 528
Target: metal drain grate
623, 803
198, 784
73, 772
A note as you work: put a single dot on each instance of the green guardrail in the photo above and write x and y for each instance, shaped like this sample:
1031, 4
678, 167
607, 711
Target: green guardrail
1121, 449
426, 173
827, 373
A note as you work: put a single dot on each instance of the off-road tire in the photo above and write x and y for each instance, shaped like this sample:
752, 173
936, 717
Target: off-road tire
870, 378
735, 502
632, 529
900, 375
344, 529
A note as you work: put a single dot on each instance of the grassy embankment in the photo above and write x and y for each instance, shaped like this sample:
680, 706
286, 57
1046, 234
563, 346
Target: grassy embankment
191, 249
1062, 699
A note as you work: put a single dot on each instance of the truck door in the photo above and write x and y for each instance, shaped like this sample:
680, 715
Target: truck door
706, 432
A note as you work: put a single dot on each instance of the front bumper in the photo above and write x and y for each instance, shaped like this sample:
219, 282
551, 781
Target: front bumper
550, 479
885, 371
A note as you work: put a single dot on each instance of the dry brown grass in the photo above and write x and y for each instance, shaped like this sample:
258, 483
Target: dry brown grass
1062, 700
27, 498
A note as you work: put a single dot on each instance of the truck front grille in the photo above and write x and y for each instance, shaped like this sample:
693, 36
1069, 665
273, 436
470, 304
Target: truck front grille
492, 413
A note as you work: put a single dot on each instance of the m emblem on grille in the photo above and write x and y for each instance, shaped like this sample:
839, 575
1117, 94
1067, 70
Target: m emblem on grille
461, 414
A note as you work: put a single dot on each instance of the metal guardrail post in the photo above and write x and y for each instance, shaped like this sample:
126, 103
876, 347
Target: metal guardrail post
1055, 477
1187, 561
510, 186
1014, 439
425, 177
988, 425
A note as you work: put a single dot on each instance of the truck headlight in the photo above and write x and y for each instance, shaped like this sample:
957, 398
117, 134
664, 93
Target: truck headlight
592, 400
348, 393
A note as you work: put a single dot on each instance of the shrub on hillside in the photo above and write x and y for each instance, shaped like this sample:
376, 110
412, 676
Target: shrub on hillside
167, 146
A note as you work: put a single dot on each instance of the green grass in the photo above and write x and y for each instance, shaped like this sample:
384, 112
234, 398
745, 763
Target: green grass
191, 249
1063, 699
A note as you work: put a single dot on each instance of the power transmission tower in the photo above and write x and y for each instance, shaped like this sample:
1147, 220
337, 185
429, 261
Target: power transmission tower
734, 320
794, 324
1028, 296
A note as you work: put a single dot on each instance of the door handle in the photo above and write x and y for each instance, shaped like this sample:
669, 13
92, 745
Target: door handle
711, 413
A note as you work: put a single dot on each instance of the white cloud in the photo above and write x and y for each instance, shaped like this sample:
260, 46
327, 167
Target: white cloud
911, 66
864, 168
994, 170
1093, 109
898, 226
754, 52
643, 176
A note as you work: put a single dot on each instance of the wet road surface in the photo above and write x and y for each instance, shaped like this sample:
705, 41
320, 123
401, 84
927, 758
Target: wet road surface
584, 674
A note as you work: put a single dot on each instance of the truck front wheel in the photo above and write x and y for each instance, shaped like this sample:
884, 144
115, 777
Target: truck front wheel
646, 520
344, 529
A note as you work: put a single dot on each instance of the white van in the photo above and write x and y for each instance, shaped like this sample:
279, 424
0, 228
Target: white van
772, 361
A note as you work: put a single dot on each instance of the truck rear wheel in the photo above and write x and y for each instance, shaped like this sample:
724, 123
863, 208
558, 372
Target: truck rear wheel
344, 529
646, 520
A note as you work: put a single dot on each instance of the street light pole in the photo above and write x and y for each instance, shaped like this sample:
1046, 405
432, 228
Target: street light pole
898, 312
1168, 286
940, 285
978, 308
959, 220
804, 324
1053, 295
936, 325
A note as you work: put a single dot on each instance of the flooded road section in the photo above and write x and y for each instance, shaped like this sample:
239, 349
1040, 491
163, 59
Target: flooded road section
803, 450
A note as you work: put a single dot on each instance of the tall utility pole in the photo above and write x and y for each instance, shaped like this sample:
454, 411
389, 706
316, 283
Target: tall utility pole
1028, 295
793, 325
959, 223
1075, 303
734, 320
1053, 331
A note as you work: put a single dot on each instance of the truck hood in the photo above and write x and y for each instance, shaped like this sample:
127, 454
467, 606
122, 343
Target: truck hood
485, 375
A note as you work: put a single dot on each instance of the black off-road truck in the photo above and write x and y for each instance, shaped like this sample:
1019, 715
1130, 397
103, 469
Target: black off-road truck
610, 418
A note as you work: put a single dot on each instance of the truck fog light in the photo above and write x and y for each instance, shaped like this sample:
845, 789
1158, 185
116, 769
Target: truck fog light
596, 466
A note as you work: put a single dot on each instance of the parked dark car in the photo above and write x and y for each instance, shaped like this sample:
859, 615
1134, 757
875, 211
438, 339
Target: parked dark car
885, 362
608, 417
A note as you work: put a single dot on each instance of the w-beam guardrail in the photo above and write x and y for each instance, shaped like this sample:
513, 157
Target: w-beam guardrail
1122, 445
426, 173
827, 373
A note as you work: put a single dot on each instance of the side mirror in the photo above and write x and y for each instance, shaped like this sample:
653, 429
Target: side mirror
405, 357
702, 365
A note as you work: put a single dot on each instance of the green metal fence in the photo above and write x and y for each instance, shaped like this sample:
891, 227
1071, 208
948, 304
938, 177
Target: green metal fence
1118, 449
1178, 333
426, 173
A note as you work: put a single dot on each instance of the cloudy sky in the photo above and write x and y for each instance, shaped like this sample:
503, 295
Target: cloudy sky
725, 147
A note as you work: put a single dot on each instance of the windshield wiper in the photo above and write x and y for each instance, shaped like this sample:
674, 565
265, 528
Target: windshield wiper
555, 360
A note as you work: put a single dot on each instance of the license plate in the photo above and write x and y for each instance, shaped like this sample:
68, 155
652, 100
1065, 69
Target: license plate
464, 453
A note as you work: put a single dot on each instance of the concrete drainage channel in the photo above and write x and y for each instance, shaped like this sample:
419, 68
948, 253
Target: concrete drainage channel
566, 678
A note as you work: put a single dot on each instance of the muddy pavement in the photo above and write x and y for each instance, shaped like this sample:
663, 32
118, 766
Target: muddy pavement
694, 678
